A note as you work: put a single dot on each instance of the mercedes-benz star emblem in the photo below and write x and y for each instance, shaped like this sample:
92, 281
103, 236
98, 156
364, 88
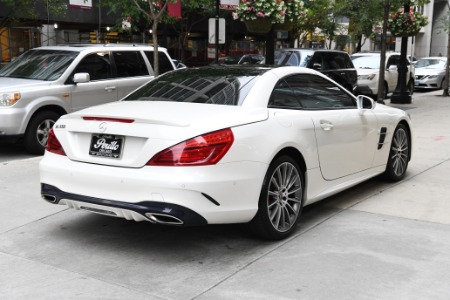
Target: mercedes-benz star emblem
102, 127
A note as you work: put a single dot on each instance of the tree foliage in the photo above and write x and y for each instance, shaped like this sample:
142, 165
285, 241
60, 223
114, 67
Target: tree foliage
19, 10
363, 16
143, 11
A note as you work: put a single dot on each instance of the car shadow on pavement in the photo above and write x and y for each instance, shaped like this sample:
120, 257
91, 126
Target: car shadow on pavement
11, 151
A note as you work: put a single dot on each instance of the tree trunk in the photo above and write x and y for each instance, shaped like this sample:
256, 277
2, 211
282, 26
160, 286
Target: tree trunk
155, 49
380, 96
447, 73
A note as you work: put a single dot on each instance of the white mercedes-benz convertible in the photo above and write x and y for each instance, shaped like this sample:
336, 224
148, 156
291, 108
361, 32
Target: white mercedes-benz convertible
223, 144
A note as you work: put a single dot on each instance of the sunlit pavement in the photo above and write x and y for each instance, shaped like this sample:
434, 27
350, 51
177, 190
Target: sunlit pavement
375, 241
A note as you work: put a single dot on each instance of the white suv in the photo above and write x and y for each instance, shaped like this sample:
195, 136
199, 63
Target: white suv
47, 82
368, 67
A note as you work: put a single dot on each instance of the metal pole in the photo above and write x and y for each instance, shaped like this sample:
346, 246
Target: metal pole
401, 93
217, 31
48, 25
99, 20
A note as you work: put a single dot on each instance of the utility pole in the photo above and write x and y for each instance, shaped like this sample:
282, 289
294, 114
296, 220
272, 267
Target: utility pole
217, 31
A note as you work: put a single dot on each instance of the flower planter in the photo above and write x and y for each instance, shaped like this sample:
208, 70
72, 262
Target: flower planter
259, 26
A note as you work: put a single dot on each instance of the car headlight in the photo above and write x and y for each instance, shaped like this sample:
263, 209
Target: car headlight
8, 99
432, 76
366, 77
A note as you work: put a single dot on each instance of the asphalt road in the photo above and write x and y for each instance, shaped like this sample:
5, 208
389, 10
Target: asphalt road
374, 241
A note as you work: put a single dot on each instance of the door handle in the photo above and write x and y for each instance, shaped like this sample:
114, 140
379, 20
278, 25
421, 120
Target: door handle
110, 88
326, 125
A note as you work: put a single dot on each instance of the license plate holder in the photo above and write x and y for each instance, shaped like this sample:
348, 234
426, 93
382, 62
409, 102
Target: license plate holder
106, 145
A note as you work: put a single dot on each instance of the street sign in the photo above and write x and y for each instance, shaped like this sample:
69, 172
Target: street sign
212, 31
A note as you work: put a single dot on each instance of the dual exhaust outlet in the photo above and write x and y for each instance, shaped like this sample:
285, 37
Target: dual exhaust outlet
158, 218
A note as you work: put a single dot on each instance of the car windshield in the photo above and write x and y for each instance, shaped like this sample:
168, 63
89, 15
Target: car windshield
430, 63
366, 62
39, 65
210, 85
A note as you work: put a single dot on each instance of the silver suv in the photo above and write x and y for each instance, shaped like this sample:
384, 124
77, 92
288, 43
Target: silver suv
47, 82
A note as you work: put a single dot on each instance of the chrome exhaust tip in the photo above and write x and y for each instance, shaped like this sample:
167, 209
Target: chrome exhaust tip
163, 219
49, 198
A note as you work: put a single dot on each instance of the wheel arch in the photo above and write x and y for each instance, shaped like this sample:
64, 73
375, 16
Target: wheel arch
408, 127
54, 108
297, 156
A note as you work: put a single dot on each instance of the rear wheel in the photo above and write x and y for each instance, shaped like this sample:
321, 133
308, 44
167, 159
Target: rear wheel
36, 135
281, 200
398, 155
411, 86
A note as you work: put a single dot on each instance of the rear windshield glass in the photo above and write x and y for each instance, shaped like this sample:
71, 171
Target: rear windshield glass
39, 64
226, 86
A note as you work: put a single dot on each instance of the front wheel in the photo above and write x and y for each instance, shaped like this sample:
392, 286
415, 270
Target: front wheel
37, 131
398, 155
280, 201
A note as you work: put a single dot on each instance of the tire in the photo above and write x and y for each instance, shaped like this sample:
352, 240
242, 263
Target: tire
281, 200
411, 86
36, 135
386, 91
398, 155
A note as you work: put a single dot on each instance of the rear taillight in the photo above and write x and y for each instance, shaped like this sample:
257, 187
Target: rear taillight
202, 150
53, 145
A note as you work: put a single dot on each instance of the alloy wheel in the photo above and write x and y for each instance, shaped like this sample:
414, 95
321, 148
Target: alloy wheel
42, 131
400, 152
284, 198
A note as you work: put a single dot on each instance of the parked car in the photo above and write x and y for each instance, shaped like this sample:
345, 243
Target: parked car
252, 59
47, 82
179, 64
242, 59
368, 68
430, 73
335, 64
223, 144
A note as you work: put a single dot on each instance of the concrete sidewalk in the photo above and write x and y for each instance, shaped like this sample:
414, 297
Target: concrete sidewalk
374, 241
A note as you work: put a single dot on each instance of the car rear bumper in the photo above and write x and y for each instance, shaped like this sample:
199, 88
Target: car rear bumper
222, 193
155, 212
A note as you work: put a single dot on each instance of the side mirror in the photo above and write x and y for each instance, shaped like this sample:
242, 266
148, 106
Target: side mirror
81, 78
364, 103
317, 66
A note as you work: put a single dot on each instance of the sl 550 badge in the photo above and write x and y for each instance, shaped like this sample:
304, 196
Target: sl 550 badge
60, 126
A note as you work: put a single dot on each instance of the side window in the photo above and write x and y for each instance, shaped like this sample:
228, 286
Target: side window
337, 61
393, 61
98, 65
311, 92
293, 59
284, 97
164, 62
129, 64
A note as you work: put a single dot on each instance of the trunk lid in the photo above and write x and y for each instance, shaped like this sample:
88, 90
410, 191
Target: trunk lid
155, 126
